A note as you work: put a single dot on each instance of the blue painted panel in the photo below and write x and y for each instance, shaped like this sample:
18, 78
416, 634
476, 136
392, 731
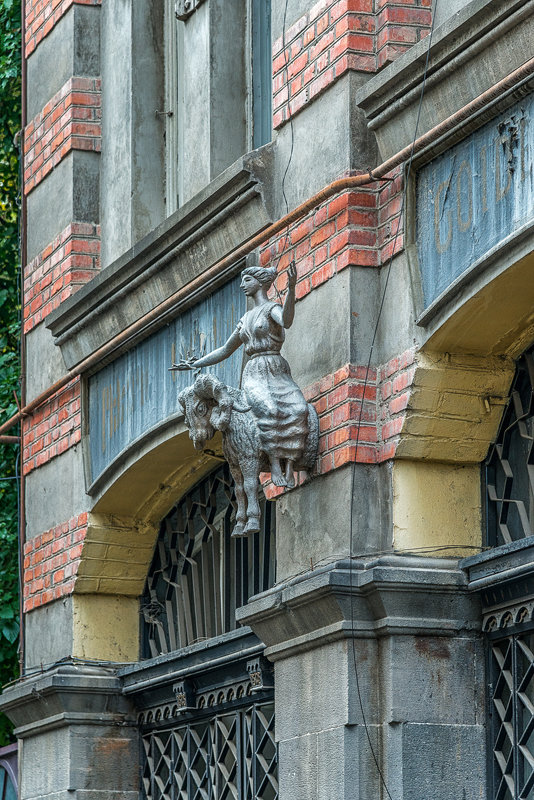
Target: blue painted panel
136, 392
473, 196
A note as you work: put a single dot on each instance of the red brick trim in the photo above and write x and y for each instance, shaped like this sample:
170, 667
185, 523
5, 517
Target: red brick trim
53, 427
71, 120
335, 36
353, 229
400, 24
338, 399
43, 15
51, 562
67, 263
390, 222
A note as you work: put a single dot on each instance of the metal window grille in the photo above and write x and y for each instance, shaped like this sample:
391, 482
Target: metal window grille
230, 756
510, 463
512, 712
199, 574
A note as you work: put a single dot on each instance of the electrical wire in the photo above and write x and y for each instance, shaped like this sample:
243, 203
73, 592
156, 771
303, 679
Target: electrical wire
365, 383
291, 148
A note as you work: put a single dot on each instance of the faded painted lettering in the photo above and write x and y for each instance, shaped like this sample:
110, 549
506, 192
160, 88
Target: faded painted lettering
473, 196
136, 392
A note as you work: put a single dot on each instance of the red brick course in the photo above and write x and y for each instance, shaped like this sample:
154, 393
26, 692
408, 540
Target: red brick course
51, 562
400, 24
71, 120
53, 427
336, 36
333, 37
43, 15
353, 229
67, 263
338, 399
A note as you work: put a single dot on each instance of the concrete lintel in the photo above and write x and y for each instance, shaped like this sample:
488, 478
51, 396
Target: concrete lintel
473, 46
175, 253
376, 599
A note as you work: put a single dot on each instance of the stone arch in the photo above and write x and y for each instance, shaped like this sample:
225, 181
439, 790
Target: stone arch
122, 529
459, 388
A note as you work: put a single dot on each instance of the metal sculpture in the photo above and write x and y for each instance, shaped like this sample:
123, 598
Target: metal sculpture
267, 425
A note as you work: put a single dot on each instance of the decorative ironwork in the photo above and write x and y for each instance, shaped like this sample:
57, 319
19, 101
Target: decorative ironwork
200, 574
518, 614
230, 756
512, 667
510, 463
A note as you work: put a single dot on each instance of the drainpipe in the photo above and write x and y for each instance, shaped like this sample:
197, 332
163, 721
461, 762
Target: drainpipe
23, 257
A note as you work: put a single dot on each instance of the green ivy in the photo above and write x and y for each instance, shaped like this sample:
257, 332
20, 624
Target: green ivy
10, 111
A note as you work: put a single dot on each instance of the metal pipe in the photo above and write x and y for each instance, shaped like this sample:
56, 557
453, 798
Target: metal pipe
23, 259
334, 188
9, 439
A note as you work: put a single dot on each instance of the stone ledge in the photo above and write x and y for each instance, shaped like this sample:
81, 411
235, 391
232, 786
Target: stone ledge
393, 595
64, 695
470, 52
500, 564
179, 250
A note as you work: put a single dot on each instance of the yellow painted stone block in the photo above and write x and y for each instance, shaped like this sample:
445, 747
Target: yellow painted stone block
436, 508
106, 627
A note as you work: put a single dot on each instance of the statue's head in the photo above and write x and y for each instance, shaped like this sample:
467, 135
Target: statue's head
264, 275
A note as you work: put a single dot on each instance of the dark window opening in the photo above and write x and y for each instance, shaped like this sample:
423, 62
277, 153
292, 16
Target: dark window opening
510, 463
511, 708
206, 694
200, 574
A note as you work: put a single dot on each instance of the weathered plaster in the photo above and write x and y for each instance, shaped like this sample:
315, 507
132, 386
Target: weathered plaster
436, 508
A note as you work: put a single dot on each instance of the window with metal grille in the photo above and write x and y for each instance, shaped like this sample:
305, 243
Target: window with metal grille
229, 755
206, 696
512, 716
200, 574
510, 463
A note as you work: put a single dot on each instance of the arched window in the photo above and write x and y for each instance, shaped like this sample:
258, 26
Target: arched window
506, 575
510, 463
199, 573
205, 693
8, 772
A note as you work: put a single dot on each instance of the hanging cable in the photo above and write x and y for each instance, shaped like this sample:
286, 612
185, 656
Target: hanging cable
365, 384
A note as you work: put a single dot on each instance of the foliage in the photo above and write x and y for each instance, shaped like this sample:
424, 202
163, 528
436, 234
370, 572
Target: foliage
10, 108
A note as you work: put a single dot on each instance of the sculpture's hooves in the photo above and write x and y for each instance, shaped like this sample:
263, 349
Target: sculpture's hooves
251, 528
281, 481
238, 531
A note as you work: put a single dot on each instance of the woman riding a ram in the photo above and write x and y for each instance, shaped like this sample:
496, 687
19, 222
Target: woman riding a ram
275, 400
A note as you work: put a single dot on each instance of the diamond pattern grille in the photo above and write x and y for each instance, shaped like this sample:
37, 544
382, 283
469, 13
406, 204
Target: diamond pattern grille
510, 463
513, 717
232, 756
199, 574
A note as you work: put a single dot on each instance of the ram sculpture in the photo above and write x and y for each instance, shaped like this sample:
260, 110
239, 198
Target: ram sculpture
209, 406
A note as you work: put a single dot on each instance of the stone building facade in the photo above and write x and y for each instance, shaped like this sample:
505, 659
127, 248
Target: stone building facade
376, 638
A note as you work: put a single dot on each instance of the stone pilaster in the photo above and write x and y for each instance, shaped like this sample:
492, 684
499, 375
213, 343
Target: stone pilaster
397, 639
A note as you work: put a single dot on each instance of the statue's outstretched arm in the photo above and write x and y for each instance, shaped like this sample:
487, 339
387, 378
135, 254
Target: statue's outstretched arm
229, 347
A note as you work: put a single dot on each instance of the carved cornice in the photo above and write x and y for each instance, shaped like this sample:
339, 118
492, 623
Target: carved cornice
253, 676
69, 694
394, 595
177, 252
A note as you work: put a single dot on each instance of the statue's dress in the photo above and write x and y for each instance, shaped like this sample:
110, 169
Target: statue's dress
275, 399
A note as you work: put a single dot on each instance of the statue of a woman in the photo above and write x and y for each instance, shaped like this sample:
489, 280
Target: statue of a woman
274, 398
